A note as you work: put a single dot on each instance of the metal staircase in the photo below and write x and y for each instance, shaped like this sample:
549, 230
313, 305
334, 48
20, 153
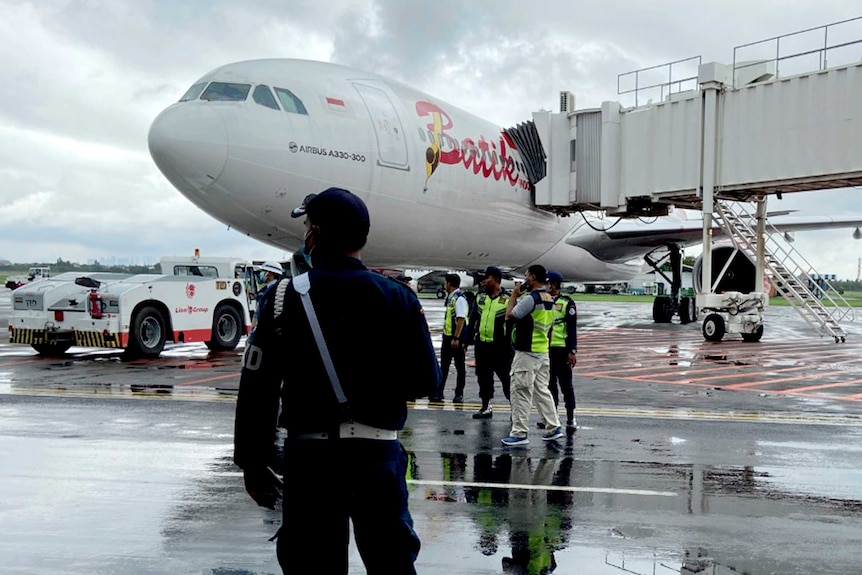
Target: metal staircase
786, 269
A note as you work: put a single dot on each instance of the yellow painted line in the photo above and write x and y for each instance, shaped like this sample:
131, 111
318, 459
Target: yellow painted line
531, 487
679, 414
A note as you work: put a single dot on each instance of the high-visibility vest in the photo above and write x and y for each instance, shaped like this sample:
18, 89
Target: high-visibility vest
531, 332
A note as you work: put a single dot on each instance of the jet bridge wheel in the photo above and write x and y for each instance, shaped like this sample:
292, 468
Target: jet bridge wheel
148, 333
713, 327
226, 329
753, 336
662, 309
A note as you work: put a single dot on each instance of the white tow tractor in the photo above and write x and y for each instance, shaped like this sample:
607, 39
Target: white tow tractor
195, 299
34, 274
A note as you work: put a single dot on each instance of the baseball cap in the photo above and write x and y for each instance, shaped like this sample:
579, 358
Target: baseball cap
299, 211
342, 218
493, 271
553, 276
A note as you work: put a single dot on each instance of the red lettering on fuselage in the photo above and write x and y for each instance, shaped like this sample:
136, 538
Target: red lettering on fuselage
491, 159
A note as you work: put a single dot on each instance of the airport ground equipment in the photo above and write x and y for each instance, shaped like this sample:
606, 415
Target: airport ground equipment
786, 270
708, 136
35, 273
733, 312
196, 299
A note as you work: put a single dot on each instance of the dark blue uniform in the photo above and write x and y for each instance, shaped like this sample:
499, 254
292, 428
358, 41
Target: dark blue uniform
379, 342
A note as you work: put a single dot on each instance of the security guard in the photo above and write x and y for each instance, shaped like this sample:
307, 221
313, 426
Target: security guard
492, 349
342, 459
453, 346
564, 348
534, 317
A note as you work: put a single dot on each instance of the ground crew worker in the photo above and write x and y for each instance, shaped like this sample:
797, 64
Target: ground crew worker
534, 317
453, 345
268, 274
492, 349
342, 458
564, 348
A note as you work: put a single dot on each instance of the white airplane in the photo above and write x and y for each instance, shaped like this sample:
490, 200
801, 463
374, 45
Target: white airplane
445, 189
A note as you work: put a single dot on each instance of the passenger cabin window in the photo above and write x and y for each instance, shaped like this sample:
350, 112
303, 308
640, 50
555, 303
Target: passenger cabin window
193, 92
263, 96
226, 92
289, 102
197, 271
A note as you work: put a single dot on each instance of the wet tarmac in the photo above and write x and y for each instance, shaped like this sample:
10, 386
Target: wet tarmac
690, 457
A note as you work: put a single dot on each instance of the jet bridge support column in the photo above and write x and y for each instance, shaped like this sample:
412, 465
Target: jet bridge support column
760, 264
707, 179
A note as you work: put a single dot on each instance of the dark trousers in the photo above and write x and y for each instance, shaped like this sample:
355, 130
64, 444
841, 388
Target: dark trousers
447, 355
327, 482
492, 358
561, 374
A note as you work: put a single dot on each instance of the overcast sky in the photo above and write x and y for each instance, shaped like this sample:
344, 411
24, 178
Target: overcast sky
83, 80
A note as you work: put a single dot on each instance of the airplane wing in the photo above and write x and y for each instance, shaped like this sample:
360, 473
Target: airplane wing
630, 237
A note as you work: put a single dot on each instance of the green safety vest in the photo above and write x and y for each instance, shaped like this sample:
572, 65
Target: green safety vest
492, 314
560, 331
450, 319
531, 332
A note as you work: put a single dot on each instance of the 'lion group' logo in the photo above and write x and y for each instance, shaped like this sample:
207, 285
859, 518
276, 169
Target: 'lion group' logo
190, 291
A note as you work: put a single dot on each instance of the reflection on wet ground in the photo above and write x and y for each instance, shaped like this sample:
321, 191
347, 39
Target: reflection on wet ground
690, 457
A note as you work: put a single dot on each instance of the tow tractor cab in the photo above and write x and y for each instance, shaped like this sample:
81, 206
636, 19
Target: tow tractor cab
194, 299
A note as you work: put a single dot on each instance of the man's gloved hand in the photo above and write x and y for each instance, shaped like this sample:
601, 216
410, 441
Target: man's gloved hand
263, 485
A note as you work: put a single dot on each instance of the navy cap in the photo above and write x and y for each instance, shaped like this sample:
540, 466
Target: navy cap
494, 272
342, 218
300, 210
553, 276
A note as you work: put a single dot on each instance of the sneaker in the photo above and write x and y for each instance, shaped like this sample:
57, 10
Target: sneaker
435, 399
540, 424
458, 399
553, 434
572, 423
513, 441
484, 413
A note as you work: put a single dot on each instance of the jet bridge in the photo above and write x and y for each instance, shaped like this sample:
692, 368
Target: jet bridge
734, 132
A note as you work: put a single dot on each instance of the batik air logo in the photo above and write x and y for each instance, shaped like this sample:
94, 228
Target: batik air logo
489, 158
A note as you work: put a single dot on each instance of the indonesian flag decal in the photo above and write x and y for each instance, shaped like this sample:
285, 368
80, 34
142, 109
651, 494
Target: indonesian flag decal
336, 104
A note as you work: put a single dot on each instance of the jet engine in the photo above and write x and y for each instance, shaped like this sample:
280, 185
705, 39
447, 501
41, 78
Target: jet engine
740, 274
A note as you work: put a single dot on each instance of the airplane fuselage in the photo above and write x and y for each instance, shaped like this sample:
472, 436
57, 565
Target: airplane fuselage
445, 188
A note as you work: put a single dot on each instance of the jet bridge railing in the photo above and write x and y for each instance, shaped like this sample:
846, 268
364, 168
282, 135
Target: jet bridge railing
819, 42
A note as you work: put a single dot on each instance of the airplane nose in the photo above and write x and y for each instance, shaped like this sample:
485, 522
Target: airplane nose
188, 143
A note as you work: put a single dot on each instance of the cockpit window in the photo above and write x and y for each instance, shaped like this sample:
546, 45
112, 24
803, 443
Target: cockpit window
226, 92
290, 102
193, 92
263, 96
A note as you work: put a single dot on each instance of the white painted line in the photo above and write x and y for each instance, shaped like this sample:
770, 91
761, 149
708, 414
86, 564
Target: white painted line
567, 488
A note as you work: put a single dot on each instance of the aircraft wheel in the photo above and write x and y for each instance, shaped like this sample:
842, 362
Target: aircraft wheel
148, 333
51, 349
753, 336
687, 310
662, 309
226, 329
713, 327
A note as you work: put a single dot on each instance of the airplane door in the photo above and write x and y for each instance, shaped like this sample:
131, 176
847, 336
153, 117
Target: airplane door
391, 143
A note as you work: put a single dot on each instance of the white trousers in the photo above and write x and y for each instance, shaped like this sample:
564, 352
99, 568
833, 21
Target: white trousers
530, 376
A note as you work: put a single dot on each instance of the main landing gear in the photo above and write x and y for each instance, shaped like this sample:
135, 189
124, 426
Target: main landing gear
664, 307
